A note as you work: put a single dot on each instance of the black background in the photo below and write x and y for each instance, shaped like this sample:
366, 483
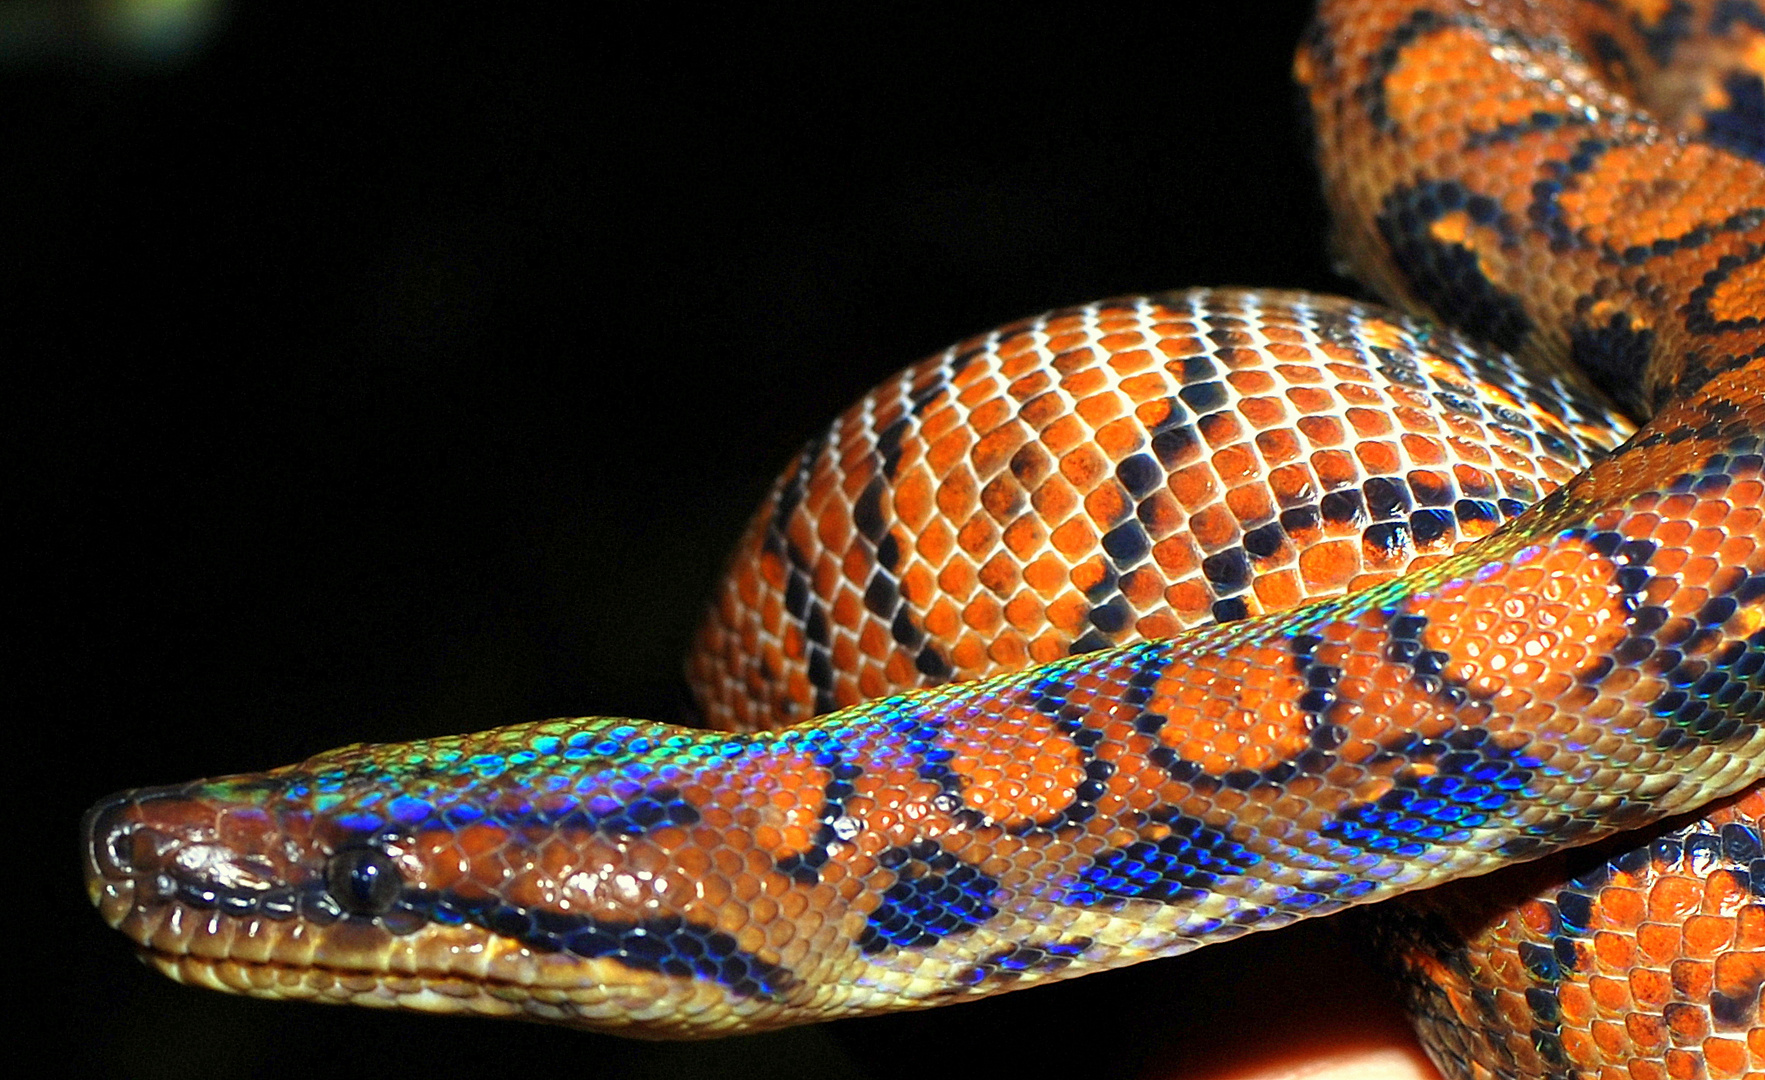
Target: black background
411, 372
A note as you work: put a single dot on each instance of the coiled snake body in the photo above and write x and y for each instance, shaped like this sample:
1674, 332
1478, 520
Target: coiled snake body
1295, 640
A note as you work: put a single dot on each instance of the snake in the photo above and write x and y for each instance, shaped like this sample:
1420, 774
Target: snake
1149, 623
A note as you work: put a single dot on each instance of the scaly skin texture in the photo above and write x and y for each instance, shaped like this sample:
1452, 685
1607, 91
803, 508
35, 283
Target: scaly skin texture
1115, 478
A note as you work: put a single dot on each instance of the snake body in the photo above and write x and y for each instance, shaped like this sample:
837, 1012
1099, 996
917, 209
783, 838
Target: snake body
1307, 625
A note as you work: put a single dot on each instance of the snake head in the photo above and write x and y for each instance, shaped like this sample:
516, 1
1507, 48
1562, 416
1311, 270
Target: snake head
468, 875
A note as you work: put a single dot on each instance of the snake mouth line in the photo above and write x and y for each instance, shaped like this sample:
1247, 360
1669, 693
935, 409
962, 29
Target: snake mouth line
164, 958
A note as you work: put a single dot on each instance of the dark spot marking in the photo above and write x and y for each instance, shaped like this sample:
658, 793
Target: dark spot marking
934, 896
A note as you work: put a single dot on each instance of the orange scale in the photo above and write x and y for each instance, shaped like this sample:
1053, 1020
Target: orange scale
1293, 485
1737, 550
1576, 1005
1342, 354
1031, 384
1712, 512
1651, 986
1182, 347
1236, 464
825, 574
1472, 479
1725, 1058
1194, 485
1178, 556
1031, 465
1335, 469
1148, 389
1068, 614
1354, 379
836, 479
1213, 527
1108, 505
1122, 437
942, 620
443, 863
1738, 975
978, 391
1089, 574
1378, 457
1246, 357
1142, 586
1750, 923
1681, 1064
936, 542
1610, 996
969, 653
1085, 466
1424, 451
1046, 574
1472, 453
1744, 521
1724, 894
932, 429
1304, 375
1253, 382
1025, 611
1133, 363
1099, 409
1081, 380
979, 535
1706, 542
1121, 335
1369, 423
1190, 599
1025, 536
1003, 498
874, 642
1359, 396
1160, 515
1069, 340
942, 454
1158, 625
1074, 538
1278, 446
917, 585
1416, 418
1064, 433
1692, 979
1747, 494
1291, 350
1042, 411
1055, 499
1555, 472
1220, 429
1329, 566
1383, 561
1250, 503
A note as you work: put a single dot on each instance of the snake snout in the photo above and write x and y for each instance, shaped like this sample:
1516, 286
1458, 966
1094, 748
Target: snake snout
125, 835
146, 848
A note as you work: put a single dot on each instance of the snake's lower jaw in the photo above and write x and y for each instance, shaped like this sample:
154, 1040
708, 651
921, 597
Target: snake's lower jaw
583, 999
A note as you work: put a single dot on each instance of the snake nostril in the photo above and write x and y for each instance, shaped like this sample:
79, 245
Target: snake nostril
120, 837
106, 831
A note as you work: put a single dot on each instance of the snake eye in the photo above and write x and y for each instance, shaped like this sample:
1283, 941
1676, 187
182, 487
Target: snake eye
363, 880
